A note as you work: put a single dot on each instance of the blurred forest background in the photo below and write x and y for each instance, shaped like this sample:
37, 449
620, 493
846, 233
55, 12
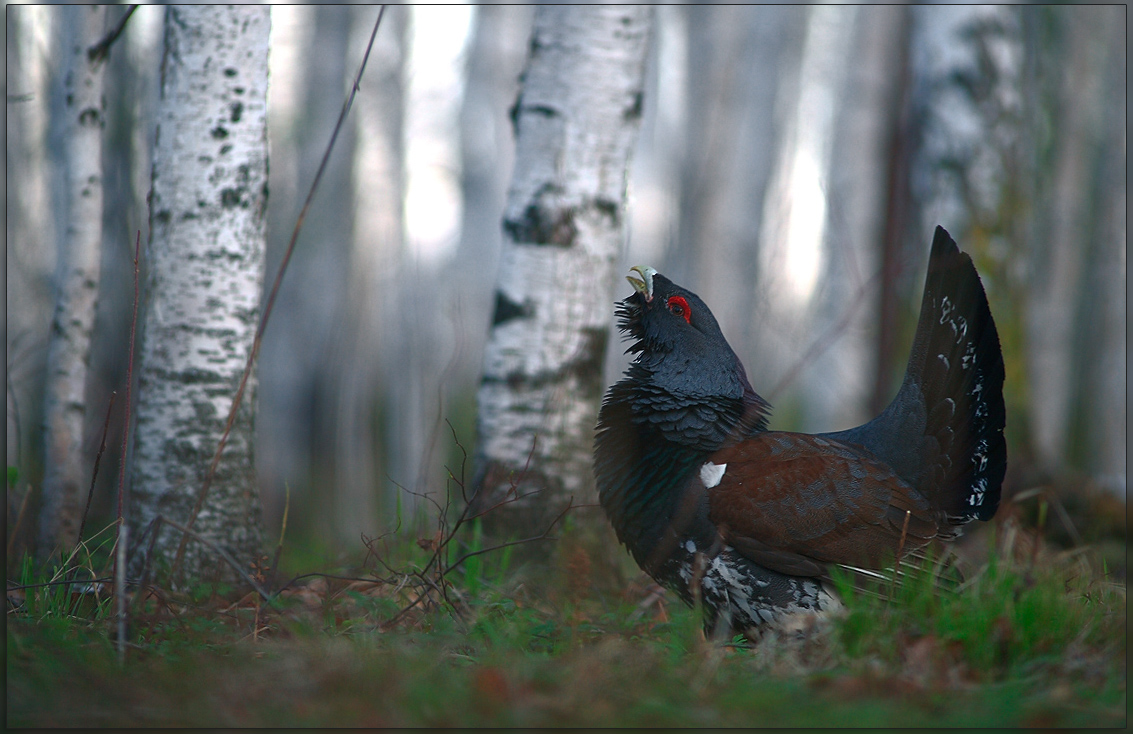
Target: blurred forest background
792, 164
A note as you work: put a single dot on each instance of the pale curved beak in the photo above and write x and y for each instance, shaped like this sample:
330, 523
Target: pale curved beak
644, 284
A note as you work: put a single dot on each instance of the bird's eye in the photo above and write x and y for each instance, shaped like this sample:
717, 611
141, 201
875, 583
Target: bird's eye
679, 306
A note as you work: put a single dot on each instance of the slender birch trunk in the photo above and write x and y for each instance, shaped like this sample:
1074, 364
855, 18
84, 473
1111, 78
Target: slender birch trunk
67, 473
205, 265
576, 121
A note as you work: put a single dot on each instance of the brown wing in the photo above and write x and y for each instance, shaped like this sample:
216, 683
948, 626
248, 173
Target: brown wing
793, 502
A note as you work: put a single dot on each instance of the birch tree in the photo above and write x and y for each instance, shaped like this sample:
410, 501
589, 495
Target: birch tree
205, 271
576, 120
77, 277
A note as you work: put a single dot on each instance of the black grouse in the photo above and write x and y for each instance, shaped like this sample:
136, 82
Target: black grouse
712, 504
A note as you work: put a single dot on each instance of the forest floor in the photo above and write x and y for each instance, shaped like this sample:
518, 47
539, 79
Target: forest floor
1035, 636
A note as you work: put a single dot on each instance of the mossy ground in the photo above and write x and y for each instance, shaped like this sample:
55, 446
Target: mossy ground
1035, 637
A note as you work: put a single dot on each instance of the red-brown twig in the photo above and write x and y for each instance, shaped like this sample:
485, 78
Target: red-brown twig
901, 547
97, 460
512, 493
541, 536
252, 354
129, 381
430, 580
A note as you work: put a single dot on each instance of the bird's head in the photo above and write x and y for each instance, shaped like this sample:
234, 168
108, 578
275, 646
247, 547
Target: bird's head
668, 324
677, 341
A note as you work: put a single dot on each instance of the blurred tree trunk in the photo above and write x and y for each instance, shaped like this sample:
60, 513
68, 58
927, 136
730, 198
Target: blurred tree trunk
205, 265
367, 360
893, 273
1101, 447
33, 229
322, 342
576, 122
79, 257
731, 135
495, 58
309, 335
813, 267
865, 126
1075, 282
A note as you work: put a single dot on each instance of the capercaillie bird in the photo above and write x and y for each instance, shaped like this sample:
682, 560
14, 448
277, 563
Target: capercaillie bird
712, 504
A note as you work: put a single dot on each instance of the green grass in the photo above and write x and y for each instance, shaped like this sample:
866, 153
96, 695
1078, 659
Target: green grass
1022, 643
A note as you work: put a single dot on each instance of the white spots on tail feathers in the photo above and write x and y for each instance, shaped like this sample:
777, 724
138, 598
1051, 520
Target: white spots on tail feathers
979, 456
958, 323
977, 395
969, 357
944, 359
711, 474
980, 488
690, 546
979, 463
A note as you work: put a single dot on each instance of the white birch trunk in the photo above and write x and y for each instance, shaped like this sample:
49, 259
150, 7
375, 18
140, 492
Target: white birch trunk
576, 121
730, 143
839, 378
67, 472
204, 276
967, 66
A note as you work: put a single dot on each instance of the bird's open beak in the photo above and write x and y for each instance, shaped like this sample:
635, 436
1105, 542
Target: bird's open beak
644, 284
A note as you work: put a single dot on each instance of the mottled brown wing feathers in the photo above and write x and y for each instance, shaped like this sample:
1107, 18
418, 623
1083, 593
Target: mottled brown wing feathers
794, 502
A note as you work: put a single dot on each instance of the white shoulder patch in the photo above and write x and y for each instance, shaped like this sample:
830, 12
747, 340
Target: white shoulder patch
711, 474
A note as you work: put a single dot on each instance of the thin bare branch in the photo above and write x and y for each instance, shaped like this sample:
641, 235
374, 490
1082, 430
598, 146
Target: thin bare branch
101, 50
282, 532
541, 536
59, 582
129, 382
97, 461
223, 554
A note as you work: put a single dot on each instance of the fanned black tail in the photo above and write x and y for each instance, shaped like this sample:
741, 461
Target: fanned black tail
943, 432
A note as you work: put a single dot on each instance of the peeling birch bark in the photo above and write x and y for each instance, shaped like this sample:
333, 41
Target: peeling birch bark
204, 263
